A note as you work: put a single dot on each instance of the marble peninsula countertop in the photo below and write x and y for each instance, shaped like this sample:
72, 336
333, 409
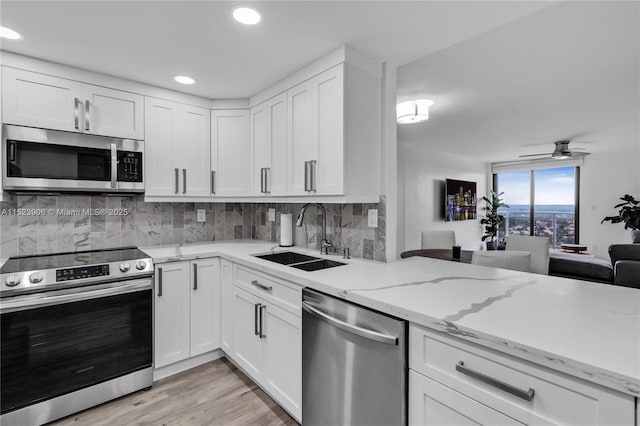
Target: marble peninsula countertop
587, 330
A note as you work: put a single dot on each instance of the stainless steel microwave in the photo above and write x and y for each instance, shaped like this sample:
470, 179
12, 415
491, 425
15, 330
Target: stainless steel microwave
54, 161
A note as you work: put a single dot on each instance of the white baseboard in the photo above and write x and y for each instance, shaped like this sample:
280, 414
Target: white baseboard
177, 367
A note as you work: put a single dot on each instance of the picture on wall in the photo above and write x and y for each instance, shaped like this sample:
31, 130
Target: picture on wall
461, 200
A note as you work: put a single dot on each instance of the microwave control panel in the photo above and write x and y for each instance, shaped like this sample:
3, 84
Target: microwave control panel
129, 166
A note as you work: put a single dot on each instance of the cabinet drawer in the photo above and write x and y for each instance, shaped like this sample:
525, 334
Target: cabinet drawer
557, 398
287, 296
431, 403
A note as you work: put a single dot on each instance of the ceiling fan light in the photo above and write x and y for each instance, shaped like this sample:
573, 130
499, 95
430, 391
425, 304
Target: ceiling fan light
412, 112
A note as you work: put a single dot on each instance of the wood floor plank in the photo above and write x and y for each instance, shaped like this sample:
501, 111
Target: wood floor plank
212, 394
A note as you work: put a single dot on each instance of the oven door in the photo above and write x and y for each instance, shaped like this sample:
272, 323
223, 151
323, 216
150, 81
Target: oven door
66, 340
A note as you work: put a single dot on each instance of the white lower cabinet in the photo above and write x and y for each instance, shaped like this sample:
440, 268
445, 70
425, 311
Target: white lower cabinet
267, 342
431, 403
226, 303
247, 342
282, 356
455, 382
186, 301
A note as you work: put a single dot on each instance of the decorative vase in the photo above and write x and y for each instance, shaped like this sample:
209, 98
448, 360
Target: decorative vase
635, 236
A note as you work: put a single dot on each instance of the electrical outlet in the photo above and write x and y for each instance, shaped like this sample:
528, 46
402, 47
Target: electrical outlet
200, 215
271, 215
373, 218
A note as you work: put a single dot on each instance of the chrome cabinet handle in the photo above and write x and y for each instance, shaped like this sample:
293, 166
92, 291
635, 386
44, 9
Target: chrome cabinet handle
527, 395
312, 173
267, 180
114, 165
349, 328
262, 309
87, 115
159, 282
213, 181
262, 180
262, 286
177, 178
195, 276
256, 309
307, 176
184, 181
77, 113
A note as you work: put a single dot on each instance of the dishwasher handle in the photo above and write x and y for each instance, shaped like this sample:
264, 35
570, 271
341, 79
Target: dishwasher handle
349, 328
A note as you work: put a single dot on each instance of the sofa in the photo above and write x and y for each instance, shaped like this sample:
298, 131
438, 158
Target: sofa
625, 261
580, 266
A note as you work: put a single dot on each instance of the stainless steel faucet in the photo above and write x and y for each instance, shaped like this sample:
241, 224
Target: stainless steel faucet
324, 244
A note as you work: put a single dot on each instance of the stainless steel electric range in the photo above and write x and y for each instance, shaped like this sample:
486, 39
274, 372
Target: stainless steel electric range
76, 331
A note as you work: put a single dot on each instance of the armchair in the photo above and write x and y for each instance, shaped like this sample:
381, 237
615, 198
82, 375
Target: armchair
625, 259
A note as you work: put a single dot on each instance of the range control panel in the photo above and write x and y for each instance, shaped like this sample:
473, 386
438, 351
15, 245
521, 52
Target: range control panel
81, 272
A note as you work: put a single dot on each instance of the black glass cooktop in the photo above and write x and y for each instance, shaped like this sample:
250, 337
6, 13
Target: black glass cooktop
69, 260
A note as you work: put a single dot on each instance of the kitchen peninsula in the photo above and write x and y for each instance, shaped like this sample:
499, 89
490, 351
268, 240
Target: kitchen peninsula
558, 327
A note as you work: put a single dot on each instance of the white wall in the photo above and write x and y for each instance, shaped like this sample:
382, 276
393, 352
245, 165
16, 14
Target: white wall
421, 172
569, 71
604, 179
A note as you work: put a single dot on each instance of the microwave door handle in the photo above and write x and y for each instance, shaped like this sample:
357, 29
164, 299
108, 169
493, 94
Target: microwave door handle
114, 166
76, 111
87, 115
12, 152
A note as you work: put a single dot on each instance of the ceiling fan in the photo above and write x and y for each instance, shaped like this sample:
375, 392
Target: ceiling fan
561, 152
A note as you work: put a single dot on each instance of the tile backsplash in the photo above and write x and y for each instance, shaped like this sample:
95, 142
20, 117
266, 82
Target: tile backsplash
36, 224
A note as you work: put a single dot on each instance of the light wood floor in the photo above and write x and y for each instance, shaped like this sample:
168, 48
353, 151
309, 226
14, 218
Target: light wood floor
215, 393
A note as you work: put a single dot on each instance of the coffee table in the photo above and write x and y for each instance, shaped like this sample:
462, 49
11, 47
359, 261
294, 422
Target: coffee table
574, 248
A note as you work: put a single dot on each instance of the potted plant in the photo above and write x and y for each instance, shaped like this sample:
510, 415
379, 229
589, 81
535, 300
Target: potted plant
493, 219
629, 214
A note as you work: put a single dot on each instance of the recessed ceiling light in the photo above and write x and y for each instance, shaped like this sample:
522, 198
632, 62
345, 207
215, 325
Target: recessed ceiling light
9, 33
246, 15
184, 79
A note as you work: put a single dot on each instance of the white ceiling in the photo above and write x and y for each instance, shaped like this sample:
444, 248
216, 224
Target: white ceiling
569, 71
151, 41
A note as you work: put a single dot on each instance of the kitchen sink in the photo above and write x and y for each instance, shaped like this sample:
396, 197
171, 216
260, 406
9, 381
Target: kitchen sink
287, 257
299, 261
317, 265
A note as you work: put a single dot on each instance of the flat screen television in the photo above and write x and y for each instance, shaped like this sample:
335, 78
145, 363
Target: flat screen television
461, 200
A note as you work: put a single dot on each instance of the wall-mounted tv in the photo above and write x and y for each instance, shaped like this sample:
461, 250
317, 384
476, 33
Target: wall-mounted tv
461, 200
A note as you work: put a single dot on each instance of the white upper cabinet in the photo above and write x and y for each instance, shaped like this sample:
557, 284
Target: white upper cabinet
333, 130
176, 149
329, 171
302, 136
110, 112
269, 147
38, 100
230, 173
193, 151
160, 127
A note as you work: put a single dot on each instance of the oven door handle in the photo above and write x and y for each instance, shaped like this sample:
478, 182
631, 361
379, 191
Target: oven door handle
58, 297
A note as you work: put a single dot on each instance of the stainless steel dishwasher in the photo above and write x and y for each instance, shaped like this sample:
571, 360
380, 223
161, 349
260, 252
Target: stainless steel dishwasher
354, 364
